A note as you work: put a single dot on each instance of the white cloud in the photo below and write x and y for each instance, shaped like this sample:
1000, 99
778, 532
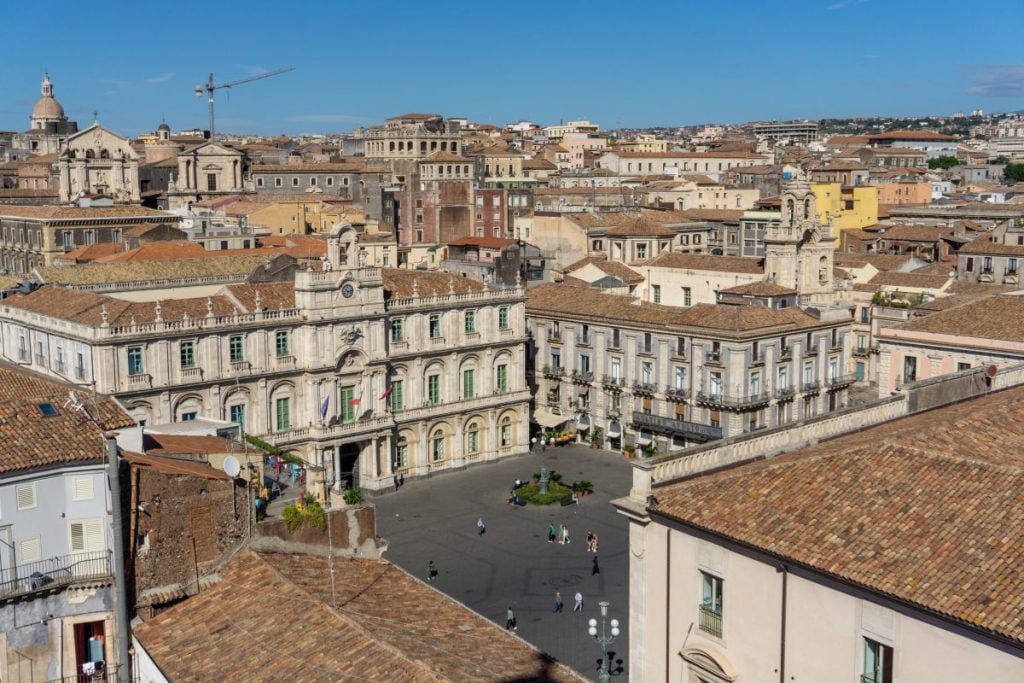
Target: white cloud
158, 79
997, 80
843, 4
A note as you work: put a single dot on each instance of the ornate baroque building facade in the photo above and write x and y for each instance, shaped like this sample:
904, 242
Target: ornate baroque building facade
370, 372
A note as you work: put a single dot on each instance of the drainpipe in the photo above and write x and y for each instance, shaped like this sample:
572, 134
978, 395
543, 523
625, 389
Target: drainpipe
121, 623
782, 631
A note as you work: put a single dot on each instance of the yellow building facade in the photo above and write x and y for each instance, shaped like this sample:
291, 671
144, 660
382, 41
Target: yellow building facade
846, 207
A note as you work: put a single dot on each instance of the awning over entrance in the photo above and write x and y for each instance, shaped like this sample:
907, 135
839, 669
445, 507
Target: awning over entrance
545, 418
614, 429
644, 438
582, 423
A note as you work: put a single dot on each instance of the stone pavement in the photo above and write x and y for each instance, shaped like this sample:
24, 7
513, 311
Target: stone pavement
513, 563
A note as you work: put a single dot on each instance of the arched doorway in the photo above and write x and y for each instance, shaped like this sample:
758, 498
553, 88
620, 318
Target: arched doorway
348, 469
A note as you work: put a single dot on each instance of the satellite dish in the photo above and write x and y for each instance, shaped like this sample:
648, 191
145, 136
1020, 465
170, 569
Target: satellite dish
231, 466
991, 371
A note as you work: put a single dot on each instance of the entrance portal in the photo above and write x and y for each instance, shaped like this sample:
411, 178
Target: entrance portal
348, 470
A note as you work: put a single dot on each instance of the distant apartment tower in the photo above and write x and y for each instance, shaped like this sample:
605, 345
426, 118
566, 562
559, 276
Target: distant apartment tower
801, 132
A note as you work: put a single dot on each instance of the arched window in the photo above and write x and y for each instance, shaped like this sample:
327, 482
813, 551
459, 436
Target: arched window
791, 211
473, 437
89, 154
104, 154
437, 445
506, 431
807, 209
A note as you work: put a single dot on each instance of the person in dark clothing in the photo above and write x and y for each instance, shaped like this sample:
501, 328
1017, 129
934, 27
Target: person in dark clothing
595, 569
431, 571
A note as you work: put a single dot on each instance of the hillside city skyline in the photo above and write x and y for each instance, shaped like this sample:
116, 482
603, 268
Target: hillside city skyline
656, 66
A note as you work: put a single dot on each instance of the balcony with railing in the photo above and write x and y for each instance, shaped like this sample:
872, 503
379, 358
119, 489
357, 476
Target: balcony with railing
710, 621
861, 351
693, 431
837, 382
734, 401
812, 387
612, 382
644, 388
713, 357
553, 371
674, 393
192, 374
139, 380
582, 376
54, 573
785, 393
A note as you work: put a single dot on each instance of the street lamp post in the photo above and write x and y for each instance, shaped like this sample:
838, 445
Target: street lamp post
605, 638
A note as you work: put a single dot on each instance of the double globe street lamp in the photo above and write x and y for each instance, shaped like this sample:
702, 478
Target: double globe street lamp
605, 638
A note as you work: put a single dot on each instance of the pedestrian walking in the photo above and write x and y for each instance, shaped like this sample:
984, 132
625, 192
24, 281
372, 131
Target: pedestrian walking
595, 569
510, 620
480, 528
595, 543
431, 571
565, 534
558, 602
561, 534
551, 533
590, 541
578, 607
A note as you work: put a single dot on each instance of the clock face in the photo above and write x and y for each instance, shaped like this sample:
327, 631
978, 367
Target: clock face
347, 290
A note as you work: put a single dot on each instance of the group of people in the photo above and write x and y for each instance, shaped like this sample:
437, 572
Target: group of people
561, 534
577, 606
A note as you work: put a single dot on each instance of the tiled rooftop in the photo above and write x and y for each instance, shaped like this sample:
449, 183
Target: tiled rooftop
925, 510
379, 625
725, 264
994, 317
398, 282
614, 268
584, 303
28, 439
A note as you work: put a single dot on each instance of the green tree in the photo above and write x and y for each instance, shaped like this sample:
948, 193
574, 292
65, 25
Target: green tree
1014, 172
943, 162
1002, 160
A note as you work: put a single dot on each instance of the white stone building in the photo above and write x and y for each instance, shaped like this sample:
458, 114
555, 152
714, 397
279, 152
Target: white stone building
371, 372
878, 555
99, 161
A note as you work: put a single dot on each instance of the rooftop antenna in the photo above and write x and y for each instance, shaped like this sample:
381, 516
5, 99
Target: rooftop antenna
211, 86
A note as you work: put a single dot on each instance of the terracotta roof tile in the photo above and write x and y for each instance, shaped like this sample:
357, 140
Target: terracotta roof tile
613, 268
591, 304
727, 264
29, 440
386, 625
922, 135
994, 317
925, 509
398, 282
58, 212
642, 226
915, 233
145, 271
759, 289
983, 244
918, 280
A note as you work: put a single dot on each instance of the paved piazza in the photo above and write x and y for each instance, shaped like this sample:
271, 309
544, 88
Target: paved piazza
513, 563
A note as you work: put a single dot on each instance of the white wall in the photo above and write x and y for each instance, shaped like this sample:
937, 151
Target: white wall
825, 627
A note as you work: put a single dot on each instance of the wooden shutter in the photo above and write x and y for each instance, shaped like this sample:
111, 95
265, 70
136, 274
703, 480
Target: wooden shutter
26, 495
82, 488
87, 536
29, 550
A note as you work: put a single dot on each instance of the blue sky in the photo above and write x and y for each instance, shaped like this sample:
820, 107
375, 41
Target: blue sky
634, 63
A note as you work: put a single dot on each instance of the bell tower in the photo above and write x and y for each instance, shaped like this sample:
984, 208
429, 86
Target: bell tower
800, 251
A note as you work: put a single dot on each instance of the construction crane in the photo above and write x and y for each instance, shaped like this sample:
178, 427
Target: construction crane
211, 86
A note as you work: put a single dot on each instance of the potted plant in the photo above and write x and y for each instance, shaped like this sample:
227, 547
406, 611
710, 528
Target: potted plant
650, 450
595, 438
629, 450
583, 488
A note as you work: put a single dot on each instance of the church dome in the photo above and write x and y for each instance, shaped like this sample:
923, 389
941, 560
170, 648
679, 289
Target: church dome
47, 108
164, 126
